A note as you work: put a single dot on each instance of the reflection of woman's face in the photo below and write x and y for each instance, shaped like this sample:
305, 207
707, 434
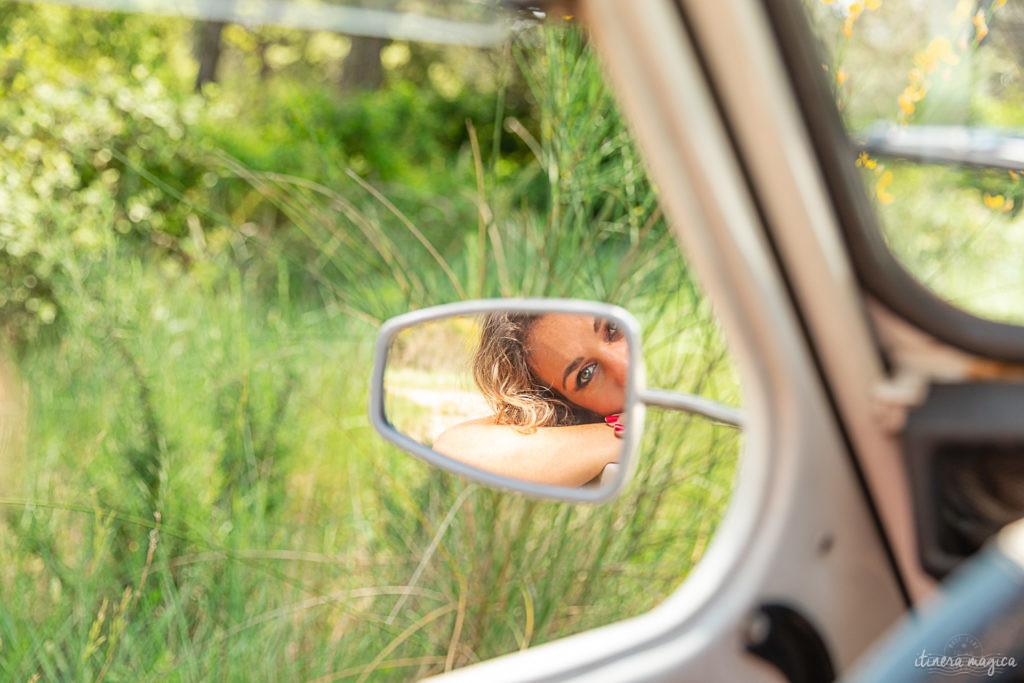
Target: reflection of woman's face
583, 358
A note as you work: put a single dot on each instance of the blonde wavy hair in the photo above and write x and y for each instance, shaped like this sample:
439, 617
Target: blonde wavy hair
516, 395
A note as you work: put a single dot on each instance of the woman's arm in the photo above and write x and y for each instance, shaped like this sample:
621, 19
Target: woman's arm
564, 456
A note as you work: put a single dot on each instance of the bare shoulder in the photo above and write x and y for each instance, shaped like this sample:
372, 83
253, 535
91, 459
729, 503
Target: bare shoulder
462, 440
457, 430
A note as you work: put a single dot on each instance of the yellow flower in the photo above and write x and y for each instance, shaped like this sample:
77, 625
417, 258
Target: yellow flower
875, 4
906, 103
841, 76
1007, 206
1000, 3
853, 11
947, 53
1014, 175
993, 202
880, 188
866, 161
940, 49
981, 25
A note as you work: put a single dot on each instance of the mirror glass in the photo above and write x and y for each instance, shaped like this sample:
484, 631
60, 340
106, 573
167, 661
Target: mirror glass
537, 397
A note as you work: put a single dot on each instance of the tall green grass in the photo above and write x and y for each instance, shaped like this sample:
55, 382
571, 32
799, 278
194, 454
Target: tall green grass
198, 494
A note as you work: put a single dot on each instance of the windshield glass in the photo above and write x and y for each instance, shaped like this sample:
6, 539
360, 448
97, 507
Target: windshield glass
933, 92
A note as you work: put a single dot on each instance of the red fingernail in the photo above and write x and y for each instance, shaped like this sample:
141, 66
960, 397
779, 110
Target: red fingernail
612, 419
619, 429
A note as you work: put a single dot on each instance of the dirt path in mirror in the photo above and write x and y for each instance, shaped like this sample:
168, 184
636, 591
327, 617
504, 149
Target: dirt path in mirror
446, 407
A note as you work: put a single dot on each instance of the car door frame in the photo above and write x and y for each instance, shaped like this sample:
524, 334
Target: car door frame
801, 530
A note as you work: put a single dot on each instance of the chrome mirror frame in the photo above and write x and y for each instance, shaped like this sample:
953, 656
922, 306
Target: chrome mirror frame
634, 406
638, 395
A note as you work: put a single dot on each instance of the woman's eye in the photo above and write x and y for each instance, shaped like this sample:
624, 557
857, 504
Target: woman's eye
585, 375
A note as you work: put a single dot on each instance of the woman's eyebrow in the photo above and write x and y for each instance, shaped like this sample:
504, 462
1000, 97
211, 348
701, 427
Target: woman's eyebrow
597, 324
572, 366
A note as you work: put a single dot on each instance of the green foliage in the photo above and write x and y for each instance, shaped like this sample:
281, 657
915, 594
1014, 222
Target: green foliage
102, 152
315, 133
960, 230
88, 159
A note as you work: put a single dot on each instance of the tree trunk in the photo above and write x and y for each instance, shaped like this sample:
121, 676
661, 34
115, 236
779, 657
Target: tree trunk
362, 69
261, 51
208, 51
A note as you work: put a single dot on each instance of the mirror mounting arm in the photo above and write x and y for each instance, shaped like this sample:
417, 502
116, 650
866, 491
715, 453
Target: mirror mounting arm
691, 403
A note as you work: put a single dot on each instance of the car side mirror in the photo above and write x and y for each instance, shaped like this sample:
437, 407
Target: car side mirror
541, 396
